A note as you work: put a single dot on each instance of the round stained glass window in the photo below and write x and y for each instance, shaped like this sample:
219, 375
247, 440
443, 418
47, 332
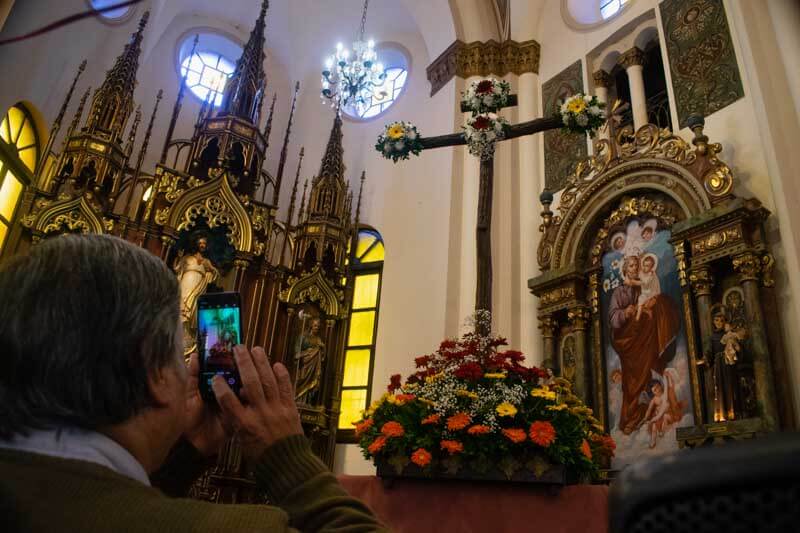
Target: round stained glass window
208, 69
383, 97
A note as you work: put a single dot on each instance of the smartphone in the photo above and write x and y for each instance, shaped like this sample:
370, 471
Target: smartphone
219, 329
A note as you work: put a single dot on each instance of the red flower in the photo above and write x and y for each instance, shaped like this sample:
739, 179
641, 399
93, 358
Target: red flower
543, 433
431, 419
484, 87
394, 383
586, 450
514, 355
458, 421
400, 399
479, 429
452, 446
421, 457
377, 445
498, 341
515, 435
481, 123
470, 371
361, 427
422, 361
393, 429
447, 344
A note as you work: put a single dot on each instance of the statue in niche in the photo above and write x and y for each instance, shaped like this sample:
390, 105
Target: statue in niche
568, 361
195, 272
87, 174
725, 352
208, 158
67, 169
309, 354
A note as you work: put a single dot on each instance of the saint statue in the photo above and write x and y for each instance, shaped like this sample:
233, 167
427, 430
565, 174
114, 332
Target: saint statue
309, 353
725, 350
195, 271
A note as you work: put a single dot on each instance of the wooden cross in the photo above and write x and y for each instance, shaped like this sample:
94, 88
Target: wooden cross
483, 238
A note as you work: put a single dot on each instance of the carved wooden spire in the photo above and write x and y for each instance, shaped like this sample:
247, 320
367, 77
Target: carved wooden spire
78, 114
333, 161
282, 161
176, 110
112, 104
290, 213
244, 89
328, 190
302, 204
268, 126
57, 122
142, 153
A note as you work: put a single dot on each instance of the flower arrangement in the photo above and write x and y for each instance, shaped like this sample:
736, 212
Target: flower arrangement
471, 404
482, 131
581, 113
485, 96
398, 140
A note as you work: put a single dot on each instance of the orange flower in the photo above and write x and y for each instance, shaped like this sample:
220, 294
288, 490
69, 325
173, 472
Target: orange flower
421, 457
458, 421
361, 427
515, 435
377, 445
393, 429
452, 446
543, 433
431, 419
479, 429
586, 450
401, 399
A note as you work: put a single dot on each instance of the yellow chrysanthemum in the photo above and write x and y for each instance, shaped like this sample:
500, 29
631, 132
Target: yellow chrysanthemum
559, 407
431, 379
543, 392
576, 105
466, 393
396, 131
495, 375
506, 409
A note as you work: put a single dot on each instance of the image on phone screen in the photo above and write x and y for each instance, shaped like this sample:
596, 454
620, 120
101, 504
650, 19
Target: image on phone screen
218, 331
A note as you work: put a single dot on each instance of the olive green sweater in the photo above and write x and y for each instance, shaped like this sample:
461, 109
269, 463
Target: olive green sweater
44, 493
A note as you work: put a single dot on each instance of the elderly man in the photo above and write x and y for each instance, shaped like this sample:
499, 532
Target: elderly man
94, 395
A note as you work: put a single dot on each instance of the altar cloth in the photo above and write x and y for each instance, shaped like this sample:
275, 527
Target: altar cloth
420, 506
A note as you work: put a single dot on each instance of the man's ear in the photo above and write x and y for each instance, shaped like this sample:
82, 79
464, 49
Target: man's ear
162, 384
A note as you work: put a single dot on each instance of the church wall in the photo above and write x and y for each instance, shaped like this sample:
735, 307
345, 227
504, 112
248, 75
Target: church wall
746, 148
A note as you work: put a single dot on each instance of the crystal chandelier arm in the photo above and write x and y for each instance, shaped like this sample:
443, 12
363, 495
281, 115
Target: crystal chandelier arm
363, 21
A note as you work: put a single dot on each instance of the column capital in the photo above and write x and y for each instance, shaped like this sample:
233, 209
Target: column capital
702, 280
602, 78
548, 326
578, 317
631, 58
748, 266
767, 267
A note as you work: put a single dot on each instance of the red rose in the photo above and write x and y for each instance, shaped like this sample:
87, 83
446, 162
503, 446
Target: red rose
394, 383
470, 371
422, 361
485, 87
481, 123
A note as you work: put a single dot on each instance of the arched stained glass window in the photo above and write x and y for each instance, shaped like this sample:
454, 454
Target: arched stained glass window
360, 351
19, 152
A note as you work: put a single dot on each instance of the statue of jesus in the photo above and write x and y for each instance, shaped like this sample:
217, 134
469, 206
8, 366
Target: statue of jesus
195, 271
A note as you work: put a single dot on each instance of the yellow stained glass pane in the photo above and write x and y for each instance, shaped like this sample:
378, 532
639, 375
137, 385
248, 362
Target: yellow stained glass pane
362, 325
353, 402
27, 136
364, 242
356, 368
3, 231
365, 293
9, 194
4, 133
16, 118
28, 156
376, 254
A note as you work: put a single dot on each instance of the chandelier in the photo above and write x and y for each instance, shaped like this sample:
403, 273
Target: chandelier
352, 78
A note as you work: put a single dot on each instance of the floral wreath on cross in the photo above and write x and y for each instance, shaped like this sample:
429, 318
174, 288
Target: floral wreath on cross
398, 140
581, 113
485, 127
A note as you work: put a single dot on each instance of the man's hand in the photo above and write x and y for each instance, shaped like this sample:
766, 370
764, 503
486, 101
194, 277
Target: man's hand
203, 428
270, 413
630, 311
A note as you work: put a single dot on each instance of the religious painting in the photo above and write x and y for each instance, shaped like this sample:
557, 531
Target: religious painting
308, 354
562, 151
218, 333
645, 347
705, 75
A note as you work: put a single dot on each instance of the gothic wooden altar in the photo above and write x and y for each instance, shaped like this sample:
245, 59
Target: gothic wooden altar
649, 262
292, 273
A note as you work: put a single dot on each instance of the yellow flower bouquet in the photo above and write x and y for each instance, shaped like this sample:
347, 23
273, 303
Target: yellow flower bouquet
398, 140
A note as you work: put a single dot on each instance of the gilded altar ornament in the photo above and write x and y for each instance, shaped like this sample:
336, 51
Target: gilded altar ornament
767, 268
748, 265
702, 281
195, 272
309, 354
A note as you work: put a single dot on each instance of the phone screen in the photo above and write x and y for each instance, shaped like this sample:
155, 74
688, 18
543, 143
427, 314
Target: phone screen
219, 329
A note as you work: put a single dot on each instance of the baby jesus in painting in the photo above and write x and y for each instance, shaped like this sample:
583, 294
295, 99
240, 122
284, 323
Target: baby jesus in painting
647, 282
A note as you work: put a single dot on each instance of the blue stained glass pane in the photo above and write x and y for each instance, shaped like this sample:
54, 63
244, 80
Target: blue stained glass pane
112, 14
208, 71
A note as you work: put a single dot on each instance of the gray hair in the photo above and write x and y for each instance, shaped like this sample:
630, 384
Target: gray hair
83, 321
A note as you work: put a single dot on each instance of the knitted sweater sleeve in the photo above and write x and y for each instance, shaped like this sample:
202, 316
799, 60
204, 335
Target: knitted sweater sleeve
299, 483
